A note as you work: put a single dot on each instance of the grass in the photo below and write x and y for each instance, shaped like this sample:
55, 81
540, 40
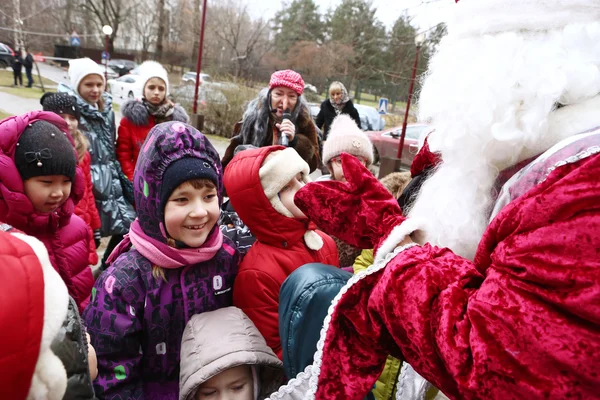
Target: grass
116, 107
6, 85
4, 114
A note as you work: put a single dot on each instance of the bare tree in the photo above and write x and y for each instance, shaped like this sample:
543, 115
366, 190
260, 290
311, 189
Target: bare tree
109, 12
247, 40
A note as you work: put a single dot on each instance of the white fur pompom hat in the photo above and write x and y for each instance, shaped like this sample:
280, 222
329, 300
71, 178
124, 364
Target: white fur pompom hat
277, 170
152, 69
478, 17
82, 67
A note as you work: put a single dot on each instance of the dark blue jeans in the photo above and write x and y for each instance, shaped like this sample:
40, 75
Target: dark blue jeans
29, 77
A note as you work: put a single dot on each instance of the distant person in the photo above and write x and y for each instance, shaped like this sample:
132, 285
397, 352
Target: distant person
263, 124
17, 65
141, 115
338, 103
28, 64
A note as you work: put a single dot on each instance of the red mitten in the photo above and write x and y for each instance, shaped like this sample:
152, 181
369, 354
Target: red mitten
360, 212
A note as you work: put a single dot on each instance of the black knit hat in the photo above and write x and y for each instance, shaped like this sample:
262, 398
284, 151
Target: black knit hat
182, 170
60, 103
44, 150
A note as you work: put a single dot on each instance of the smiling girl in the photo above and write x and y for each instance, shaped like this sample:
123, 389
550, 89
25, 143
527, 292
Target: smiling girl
175, 263
141, 115
40, 184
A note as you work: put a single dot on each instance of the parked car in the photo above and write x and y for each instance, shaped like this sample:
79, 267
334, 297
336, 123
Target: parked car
184, 95
190, 78
122, 67
370, 120
7, 55
111, 74
386, 142
128, 86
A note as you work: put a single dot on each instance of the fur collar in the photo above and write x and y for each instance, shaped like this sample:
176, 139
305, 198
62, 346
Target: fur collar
137, 113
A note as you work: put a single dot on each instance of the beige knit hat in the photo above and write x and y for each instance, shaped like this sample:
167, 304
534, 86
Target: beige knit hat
277, 170
346, 137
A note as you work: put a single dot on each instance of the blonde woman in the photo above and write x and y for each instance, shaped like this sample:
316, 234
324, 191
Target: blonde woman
338, 103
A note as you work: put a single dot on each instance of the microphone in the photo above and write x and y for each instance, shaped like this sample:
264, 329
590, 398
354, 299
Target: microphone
283, 139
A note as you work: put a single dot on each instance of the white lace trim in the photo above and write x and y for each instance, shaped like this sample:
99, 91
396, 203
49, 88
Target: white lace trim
590, 151
293, 384
316, 370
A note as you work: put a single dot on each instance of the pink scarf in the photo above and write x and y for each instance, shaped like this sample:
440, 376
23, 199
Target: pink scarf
163, 255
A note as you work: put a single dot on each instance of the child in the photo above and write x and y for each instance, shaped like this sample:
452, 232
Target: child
40, 184
345, 137
261, 184
112, 189
223, 356
180, 265
66, 106
141, 116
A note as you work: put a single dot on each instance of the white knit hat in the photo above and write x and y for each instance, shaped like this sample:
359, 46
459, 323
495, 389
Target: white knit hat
277, 170
82, 67
346, 137
152, 69
477, 17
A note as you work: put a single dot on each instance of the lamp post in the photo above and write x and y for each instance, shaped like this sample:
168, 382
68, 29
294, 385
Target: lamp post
419, 39
107, 30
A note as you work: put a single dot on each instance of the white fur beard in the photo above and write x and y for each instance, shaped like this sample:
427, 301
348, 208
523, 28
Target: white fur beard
489, 99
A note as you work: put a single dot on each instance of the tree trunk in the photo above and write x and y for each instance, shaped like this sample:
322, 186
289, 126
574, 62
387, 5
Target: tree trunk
161, 30
68, 10
196, 34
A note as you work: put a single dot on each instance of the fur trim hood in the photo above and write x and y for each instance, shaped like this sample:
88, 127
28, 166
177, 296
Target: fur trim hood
137, 113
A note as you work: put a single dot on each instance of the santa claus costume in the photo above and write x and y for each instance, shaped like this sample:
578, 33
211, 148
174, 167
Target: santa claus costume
490, 286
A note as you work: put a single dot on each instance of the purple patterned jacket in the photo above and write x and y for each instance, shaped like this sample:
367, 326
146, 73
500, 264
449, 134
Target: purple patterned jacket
136, 321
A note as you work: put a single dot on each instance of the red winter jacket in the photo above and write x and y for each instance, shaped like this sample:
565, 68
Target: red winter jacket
133, 129
66, 236
278, 251
86, 208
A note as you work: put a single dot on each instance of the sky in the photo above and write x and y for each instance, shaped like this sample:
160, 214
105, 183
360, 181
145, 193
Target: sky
426, 13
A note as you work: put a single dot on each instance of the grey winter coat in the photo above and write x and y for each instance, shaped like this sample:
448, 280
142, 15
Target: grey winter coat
112, 190
218, 340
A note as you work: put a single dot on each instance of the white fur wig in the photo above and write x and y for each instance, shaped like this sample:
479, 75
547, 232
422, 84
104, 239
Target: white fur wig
49, 380
492, 99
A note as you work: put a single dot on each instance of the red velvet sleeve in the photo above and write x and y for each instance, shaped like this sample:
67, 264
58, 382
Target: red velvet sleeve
521, 322
124, 149
257, 294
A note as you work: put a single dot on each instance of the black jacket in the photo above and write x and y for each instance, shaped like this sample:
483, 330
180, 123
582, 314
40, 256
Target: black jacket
70, 345
28, 61
327, 115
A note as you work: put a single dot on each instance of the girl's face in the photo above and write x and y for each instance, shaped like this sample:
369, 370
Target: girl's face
191, 212
91, 88
47, 193
233, 384
286, 195
336, 95
283, 98
155, 91
336, 170
72, 122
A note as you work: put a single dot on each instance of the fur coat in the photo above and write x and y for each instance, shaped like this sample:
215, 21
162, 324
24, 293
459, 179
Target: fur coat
256, 128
